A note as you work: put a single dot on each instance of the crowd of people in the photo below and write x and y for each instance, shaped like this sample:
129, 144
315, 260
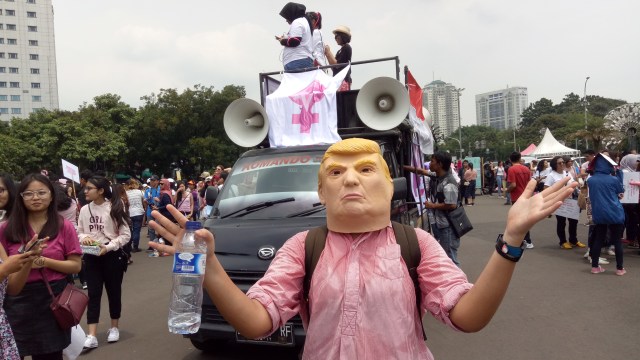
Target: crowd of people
608, 218
59, 218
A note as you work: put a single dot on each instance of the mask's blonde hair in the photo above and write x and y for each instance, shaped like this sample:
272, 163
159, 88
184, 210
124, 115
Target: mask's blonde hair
354, 146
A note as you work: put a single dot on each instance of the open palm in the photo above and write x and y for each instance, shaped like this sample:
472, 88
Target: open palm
529, 208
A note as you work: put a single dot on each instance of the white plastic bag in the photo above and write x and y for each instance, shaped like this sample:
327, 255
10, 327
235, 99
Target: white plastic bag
77, 343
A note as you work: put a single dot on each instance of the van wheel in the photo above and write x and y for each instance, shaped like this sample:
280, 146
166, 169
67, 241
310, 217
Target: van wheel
207, 345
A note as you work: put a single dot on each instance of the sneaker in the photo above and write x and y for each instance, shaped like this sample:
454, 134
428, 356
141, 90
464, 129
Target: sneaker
611, 251
633, 245
621, 272
84, 286
601, 261
597, 270
579, 244
91, 342
586, 255
566, 246
154, 254
113, 335
530, 246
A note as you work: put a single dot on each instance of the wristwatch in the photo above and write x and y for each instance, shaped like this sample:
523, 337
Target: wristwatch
513, 253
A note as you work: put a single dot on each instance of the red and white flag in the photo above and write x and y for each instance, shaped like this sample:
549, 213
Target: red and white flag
417, 118
303, 111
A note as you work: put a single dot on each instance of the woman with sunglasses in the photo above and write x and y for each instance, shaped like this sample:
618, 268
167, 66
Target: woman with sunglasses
343, 56
104, 222
35, 216
558, 173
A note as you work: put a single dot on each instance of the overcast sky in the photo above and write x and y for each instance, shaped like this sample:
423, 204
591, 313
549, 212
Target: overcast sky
134, 48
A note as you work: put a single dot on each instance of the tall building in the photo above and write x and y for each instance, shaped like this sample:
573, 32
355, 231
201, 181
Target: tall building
442, 102
501, 109
28, 75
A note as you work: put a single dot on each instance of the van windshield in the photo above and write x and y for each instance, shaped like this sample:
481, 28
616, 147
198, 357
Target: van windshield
266, 178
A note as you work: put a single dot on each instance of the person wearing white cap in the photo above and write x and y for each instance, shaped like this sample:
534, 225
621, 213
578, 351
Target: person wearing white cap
343, 56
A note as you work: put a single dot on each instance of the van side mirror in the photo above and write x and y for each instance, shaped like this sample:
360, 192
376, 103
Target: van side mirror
399, 188
211, 194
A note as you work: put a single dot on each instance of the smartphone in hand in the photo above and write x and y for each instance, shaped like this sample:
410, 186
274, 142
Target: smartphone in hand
22, 249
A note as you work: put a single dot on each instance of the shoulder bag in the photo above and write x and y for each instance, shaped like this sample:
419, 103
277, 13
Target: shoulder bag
69, 306
459, 221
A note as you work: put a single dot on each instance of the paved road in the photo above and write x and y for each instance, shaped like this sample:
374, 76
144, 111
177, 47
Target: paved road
554, 309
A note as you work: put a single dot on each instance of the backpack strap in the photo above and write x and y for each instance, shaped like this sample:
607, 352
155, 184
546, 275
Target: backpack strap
313, 246
407, 238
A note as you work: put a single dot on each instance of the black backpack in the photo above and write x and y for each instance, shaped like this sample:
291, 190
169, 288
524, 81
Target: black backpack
405, 237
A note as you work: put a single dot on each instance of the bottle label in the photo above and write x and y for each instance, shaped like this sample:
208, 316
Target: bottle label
188, 263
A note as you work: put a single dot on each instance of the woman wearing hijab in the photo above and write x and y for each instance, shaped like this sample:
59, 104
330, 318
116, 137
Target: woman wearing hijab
298, 42
605, 192
343, 56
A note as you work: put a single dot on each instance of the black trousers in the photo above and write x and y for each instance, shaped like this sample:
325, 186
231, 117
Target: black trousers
573, 229
107, 271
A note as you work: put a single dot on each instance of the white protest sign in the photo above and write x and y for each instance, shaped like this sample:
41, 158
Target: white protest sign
70, 171
569, 209
631, 192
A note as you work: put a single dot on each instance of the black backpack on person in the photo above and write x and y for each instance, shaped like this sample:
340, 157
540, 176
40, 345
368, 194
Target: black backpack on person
406, 237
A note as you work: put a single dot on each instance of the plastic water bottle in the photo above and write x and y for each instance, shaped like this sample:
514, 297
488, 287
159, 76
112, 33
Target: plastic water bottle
188, 274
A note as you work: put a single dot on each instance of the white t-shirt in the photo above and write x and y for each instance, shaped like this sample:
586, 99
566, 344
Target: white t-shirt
554, 177
318, 48
135, 202
299, 28
500, 171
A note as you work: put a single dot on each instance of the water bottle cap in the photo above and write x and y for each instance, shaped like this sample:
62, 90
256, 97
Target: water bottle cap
193, 225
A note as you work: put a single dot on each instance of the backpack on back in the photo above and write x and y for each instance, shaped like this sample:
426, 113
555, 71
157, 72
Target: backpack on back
405, 237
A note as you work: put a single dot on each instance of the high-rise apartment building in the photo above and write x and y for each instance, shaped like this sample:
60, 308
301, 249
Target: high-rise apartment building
28, 75
501, 109
441, 99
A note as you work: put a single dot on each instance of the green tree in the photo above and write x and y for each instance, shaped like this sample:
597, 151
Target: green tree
535, 110
184, 129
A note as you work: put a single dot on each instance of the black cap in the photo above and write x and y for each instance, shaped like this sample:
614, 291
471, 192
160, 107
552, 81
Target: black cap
154, 178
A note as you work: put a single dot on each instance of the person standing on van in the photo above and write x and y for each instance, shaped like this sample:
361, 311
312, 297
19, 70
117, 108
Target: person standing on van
105, 222
343, 56
298, 43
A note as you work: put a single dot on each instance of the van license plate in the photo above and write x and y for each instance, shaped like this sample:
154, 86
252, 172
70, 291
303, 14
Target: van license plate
282, 336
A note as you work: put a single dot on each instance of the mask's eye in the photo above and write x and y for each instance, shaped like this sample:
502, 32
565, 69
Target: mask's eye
335, 172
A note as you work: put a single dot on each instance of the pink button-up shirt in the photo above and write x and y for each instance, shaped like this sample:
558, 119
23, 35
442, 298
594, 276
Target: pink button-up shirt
362, 301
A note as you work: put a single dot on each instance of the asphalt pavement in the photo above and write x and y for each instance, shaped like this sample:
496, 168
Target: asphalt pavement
554, 309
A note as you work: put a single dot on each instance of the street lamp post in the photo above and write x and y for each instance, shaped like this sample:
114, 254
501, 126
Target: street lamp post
586, 142
458, 91
460, 144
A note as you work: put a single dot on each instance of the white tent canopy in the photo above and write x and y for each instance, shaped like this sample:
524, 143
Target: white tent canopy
550, 147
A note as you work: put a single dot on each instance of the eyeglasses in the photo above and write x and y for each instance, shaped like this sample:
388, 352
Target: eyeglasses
161, 183
89, 188
28, 195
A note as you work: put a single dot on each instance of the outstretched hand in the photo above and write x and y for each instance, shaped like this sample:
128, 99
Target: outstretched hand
173, 232
529, 208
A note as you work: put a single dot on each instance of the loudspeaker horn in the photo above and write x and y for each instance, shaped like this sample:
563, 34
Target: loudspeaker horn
246, 122
382, 103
